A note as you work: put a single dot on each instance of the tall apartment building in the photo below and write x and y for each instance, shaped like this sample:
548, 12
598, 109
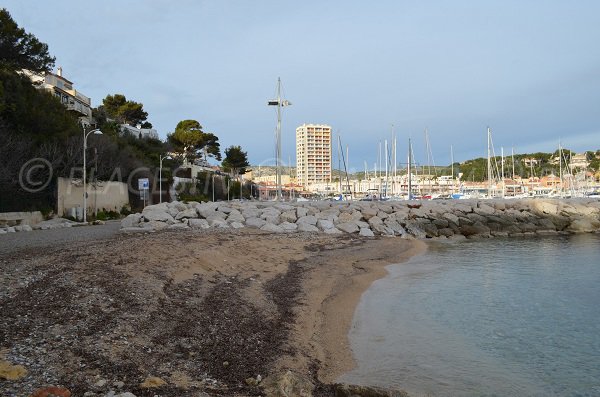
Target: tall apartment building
313, 154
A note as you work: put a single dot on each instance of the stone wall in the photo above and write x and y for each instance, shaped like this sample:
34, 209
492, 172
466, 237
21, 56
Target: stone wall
409, 219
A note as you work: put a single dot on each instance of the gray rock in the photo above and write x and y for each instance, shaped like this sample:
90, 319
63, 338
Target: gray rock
306, 227
329, 214
324, 224
198, 223
484, 209
156, 215
218, 222
382, 229
477, 228
289, 216
366, 232
395, 226
440, 223
332, 230
309, 219
301, 211
446, 232
274, 219
235, 216
155, 225
251, 213
368, 213
284, 207
288, 226
348, 227
415, 229
187, 213
224, 209
255, 222
375, 220
236, 225
362, 224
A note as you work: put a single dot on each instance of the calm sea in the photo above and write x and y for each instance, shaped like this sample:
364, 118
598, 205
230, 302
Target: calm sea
494, 317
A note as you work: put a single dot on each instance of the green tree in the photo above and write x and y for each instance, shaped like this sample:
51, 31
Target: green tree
21, 50
189, 139
235, 160
118, 108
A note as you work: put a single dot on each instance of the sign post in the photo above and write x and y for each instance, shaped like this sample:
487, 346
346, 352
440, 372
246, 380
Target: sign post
143, 187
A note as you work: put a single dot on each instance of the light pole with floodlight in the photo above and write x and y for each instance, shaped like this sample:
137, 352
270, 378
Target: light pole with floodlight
160, 175
279, 103
85, 136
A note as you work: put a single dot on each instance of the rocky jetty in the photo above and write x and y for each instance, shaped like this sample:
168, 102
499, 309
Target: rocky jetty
407, 219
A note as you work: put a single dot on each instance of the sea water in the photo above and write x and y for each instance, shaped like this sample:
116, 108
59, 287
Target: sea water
491, 317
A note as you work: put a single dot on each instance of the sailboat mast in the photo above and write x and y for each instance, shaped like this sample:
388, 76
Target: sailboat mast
502, 165
489, 161
512, 154
452, 165
409, 171
560, 168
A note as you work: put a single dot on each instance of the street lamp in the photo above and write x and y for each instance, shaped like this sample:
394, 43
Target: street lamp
279, 103
85, 136
161, 158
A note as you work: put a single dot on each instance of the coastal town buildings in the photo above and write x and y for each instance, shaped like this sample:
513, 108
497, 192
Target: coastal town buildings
63, 89
313, 154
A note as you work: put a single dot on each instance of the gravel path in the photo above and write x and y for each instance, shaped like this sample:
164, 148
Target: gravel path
13, 242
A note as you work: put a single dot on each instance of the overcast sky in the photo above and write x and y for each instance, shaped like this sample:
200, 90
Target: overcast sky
528, 69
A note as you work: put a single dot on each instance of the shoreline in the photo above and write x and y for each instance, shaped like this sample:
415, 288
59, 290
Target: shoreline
336, 289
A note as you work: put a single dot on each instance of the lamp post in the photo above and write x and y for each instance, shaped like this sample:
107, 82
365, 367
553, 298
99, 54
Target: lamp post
213, 187
161, 158
85, 136
279, 103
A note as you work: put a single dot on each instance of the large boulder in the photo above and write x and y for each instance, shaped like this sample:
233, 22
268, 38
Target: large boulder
414, 228
157, 215
198, 224
301, 211
308, 219
325, 224
255, 222
288, 216
476, 228
366, 232
131, 220
348, 227
236, 216
368, 213
584, 225
187, 213
288, 226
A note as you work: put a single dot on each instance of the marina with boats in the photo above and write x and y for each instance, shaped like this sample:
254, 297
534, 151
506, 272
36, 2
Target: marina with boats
561, 174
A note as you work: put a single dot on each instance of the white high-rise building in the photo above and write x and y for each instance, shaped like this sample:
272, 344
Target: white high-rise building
313, 154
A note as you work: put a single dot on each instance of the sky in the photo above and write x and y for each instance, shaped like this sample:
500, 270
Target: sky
529, 70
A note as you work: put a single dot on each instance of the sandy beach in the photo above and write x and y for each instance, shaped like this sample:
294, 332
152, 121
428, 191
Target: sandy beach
200, 311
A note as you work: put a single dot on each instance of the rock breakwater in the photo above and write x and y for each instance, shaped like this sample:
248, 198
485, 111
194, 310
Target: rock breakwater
406, 219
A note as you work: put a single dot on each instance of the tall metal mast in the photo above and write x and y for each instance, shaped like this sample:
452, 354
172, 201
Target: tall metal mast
279, 102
